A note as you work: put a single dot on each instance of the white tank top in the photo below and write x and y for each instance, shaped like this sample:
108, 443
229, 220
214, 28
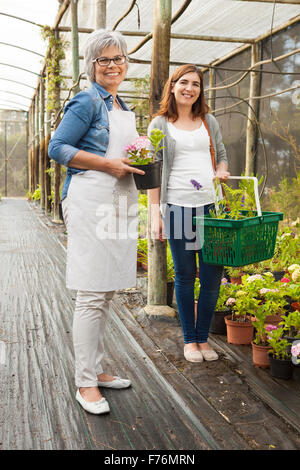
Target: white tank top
192, 160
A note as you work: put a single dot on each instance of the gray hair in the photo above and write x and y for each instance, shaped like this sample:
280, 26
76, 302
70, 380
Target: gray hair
96, 42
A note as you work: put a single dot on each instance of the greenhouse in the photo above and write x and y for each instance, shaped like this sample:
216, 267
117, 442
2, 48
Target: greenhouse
94, 94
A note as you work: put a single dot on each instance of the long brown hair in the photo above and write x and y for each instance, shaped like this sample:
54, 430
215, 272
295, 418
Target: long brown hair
168, 107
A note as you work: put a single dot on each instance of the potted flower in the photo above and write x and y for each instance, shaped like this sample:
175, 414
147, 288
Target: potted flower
280, 359
235, 275
291, 326
239, 325
218, 325
142, 157
260, 345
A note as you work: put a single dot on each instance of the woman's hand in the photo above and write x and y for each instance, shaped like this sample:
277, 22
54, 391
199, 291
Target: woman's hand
157, 228
120, 167
221, 172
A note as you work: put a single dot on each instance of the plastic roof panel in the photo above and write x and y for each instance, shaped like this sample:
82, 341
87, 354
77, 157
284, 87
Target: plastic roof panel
225, 18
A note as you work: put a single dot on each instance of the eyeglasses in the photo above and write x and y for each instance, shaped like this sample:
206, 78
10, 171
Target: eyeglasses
105, 61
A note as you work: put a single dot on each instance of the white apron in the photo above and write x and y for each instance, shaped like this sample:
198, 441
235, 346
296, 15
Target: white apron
101, 215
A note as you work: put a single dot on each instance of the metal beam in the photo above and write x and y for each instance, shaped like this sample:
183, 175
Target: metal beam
19, 83
14, 102
22, 19
22, 48
75, 45
20, 68
17, 94
284, 2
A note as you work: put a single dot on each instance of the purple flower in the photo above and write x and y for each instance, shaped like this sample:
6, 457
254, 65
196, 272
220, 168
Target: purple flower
242, 201
271, 327
196, 184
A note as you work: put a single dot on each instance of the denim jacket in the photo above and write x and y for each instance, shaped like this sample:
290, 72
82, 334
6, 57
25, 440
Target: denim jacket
85, 126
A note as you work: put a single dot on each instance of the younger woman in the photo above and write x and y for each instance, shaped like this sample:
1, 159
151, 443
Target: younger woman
193, 153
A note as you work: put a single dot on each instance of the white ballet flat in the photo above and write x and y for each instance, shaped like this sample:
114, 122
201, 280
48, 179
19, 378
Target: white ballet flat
193, 356
94, 407
116, 383
209, 355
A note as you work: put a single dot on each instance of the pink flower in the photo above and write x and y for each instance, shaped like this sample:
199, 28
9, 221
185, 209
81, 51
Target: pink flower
295, 350
142, 142
230, 301
224, 281
284, 279
271, 327
254, 277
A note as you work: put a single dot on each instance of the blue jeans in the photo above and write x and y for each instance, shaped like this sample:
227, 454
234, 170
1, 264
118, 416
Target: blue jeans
184, 243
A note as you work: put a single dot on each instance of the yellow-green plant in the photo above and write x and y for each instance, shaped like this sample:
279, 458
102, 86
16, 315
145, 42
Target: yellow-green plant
55, 54
37, 193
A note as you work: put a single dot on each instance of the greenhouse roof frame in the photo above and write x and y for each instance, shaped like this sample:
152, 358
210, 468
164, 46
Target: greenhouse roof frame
183, 10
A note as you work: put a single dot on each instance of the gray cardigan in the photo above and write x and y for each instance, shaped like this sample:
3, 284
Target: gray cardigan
168, 152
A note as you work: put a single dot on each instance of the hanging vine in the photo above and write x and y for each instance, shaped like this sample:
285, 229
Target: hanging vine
55, 53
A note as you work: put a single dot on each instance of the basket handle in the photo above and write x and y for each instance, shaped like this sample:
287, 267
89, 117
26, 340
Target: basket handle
255, 181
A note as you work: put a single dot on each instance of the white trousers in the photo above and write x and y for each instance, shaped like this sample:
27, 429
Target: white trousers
89, 322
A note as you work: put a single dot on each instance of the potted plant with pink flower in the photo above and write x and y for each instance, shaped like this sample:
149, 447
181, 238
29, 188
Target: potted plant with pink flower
142, 153
222, 309
239, 325
280, 358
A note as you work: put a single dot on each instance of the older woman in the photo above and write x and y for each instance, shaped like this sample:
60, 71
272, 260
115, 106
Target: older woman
99, 202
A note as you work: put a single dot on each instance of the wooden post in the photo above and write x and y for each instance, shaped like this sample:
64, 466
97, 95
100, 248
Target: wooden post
100, 14
211, 93
56, 213
37, 139
251, 136
33, 147
157, 263
75, 47
42, 142
47, 159
29, 146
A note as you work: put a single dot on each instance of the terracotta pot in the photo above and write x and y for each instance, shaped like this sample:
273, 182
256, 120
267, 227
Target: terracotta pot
239, 332
296, 305
236, 280
260, 355
271, 319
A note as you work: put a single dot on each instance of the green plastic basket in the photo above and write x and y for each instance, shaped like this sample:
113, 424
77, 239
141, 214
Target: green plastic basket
229, 242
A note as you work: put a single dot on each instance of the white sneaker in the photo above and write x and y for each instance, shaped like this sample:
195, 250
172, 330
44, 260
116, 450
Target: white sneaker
94, 407
116, 383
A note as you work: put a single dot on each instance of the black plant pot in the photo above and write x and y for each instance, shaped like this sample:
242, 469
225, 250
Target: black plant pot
170, 293
151, 178
218, 325
278, 275
281, 368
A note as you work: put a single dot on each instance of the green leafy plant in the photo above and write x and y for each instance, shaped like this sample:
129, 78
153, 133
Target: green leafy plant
236, 201
291, 324
55, 53
37, 193
278, 344
244, 307
142, 250
234, 272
